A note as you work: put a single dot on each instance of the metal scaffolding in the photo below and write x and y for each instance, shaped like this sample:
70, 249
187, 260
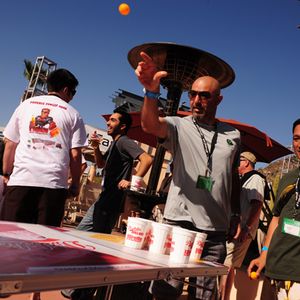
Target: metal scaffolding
37, 83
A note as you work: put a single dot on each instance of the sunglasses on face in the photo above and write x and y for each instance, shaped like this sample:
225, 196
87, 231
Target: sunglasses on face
73, 92
202, 95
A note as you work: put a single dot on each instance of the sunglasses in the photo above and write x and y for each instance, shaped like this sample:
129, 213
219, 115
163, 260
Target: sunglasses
202, 95
243, 159
73, 92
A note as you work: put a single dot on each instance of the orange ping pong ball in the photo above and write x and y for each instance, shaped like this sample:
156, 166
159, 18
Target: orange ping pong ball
124, 9
253, 275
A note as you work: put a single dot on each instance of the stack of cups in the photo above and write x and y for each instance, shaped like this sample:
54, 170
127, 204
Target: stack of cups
198, 246
160, 241
182, 243
136, 232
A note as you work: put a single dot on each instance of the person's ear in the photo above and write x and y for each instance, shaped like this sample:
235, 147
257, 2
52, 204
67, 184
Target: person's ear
123, 127
65, 90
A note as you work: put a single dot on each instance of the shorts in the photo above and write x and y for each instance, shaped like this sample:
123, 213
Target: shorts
236, 253
37, 205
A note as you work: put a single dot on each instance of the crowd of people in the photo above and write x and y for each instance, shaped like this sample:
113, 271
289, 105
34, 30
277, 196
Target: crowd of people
214, 187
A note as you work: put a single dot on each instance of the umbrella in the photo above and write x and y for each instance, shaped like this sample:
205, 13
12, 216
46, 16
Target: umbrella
259, 143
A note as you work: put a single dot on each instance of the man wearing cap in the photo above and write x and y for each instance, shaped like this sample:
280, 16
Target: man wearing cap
252, 196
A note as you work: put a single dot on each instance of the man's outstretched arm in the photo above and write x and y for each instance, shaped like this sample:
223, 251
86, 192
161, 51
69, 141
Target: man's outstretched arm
149, 76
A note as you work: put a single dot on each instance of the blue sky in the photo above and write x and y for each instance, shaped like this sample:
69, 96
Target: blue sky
258, 38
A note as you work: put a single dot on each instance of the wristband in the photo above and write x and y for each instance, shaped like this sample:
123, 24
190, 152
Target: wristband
264, 248
151, 95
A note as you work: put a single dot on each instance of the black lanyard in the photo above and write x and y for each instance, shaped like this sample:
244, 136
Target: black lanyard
205, 145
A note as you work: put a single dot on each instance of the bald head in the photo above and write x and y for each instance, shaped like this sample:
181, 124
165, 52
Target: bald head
207, 83
204, 99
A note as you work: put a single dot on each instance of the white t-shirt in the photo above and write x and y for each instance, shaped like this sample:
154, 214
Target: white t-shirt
45, 128
252, 189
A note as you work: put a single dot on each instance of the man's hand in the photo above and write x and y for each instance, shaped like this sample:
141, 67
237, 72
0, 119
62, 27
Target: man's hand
235, 228
5, 181
123, 184
257, 264
148, 73
95, 140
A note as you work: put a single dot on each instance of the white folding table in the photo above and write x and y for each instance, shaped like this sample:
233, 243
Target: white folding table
41, 258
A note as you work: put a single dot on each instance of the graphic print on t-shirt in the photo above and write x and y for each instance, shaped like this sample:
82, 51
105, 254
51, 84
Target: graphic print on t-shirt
43, 127
44, 124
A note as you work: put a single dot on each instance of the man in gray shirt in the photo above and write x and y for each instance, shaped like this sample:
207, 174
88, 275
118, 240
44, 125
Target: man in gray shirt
204, 191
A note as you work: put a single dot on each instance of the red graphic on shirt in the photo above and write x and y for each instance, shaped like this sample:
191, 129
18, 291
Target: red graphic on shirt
44, 124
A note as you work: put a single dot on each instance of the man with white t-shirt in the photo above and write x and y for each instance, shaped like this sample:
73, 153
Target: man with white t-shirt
252, 197
43, 138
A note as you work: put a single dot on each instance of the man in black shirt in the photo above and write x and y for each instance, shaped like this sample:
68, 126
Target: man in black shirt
117, 165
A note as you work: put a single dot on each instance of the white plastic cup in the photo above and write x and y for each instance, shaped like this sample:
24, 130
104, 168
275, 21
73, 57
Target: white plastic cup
147, 235
198, 246
168, 242
135, 233
182, 244
136, 183
160, 238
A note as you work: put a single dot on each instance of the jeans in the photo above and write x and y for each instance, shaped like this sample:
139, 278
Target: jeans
104, 220
96, 220
86, 224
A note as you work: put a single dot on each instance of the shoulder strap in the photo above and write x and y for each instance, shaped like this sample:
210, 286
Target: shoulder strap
249, 174
254, 172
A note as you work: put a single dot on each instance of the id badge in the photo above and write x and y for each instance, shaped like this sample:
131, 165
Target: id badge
290, 226
204, 183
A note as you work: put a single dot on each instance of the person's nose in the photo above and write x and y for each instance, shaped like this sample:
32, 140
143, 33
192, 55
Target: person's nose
198, 100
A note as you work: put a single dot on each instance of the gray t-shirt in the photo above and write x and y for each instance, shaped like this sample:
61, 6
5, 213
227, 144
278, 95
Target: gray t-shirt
206, 210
